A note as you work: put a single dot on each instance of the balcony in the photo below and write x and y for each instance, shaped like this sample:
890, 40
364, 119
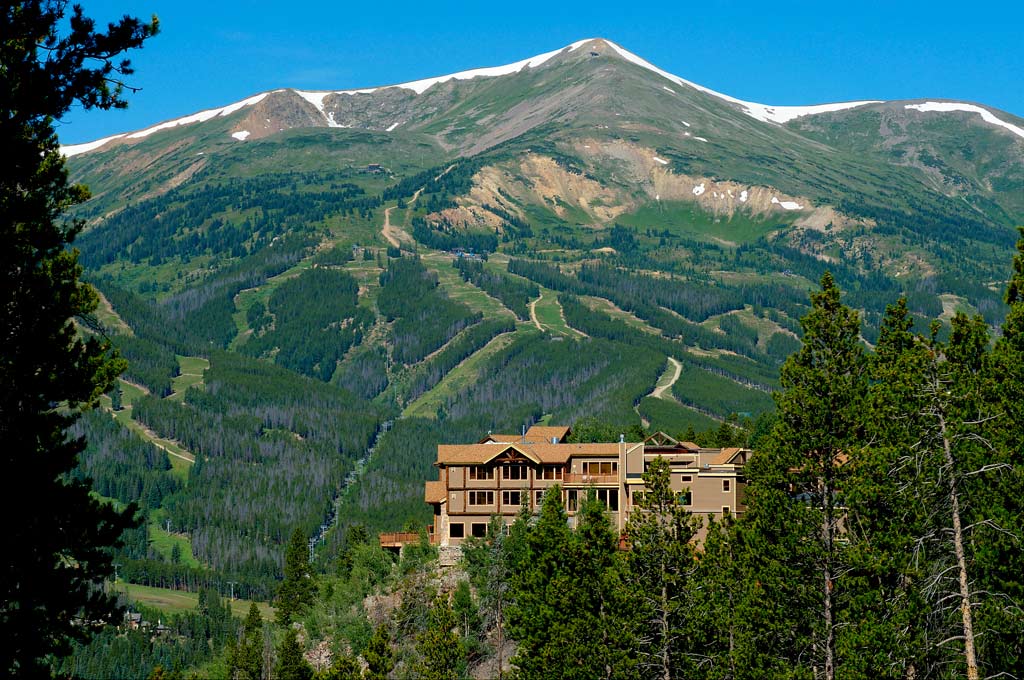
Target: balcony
396, 539
588, 479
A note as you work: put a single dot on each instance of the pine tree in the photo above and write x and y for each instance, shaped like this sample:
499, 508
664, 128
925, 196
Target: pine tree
716, 619
245, 658
298, 588
661, 566
442, 656
539, 582
889, 494
343, 667
291, 665
1000, 544
489, 563
55, 559
379, 657
795, 482
570, 607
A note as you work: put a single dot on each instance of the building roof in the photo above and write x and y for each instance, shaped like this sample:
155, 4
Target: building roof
660, 440
435, 492
541, 433
726, 456
498, 438
480, 454
536, 434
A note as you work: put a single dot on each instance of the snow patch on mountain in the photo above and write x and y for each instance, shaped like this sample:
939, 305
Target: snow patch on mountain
985, 114
200, 117
786, 205
241, 135
75, 149
421, 86
660, 160
762, 112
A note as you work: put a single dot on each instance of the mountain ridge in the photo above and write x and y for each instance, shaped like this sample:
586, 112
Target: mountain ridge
316, 98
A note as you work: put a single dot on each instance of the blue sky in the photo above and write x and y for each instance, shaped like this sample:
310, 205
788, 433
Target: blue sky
215, 52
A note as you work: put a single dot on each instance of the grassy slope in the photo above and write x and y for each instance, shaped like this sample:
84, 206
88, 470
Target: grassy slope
459, 378
180, 600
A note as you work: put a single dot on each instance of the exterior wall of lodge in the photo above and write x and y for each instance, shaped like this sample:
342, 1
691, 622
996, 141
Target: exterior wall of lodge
501, 473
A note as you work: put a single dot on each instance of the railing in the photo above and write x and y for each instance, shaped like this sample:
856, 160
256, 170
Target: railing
396, 539
572, 478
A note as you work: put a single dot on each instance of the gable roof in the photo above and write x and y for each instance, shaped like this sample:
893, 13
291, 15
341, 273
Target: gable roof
545, 453
544, 433
499, 438
726, 456
435, 492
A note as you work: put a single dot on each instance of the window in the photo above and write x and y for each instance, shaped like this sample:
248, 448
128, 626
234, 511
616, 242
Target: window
456, 530
540, 498
515, 471
685, 497
551, 472
511, 498
481, 472
481, 498
479, 529
726, 486
638, 498
725, 511
600, 468
687, 478
610, 498
571, 500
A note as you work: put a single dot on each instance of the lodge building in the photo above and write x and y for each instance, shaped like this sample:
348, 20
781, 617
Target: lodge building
501, 472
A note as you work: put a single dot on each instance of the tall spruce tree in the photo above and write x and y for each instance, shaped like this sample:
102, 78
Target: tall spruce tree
889, 496
717, 604
56, 557
245, 656
571, 613
796, 554
441, 651
1001, 542
291, 665
298, 588
661, 567
379, 656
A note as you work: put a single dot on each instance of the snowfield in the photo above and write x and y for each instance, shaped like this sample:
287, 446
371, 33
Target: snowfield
985, 114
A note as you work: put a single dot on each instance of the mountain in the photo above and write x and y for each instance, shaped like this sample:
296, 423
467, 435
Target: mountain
627, 217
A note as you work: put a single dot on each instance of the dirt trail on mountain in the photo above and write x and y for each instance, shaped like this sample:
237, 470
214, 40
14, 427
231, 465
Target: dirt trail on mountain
533, 312
391, 233
659, 390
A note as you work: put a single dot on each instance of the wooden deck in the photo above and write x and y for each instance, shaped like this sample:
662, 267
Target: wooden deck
396, 539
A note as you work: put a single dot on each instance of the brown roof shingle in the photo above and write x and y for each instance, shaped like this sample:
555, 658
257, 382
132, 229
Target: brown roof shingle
435, 492
478, 454
543, 433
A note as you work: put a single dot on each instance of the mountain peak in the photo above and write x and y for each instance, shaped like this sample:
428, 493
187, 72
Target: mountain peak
395, 103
